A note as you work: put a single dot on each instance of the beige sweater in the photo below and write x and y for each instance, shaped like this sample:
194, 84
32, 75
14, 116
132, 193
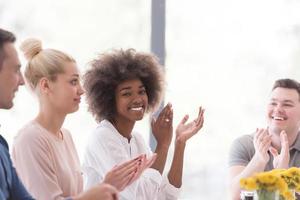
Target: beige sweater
48, 166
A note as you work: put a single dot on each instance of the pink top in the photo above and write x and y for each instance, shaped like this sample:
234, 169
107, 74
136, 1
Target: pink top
48, 166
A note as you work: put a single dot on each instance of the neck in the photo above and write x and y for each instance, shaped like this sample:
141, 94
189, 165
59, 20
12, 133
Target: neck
51, 120
276, 139
124, 127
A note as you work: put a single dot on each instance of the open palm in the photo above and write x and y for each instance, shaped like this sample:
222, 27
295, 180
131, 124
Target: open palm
185, 131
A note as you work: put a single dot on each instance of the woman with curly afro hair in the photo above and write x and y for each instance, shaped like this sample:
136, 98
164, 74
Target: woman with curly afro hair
121, 86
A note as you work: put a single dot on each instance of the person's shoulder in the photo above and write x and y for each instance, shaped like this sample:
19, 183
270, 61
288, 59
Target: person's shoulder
245, 138
244, 141
104, 130
30, 133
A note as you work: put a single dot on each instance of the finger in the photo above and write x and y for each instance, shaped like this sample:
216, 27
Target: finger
127, 164
170, 115
127, 180
151, 160
200, 113
273, 151
265, 144
284, 142
164, 111
260, 135
152, 123
184, 120
123, 171
201, 117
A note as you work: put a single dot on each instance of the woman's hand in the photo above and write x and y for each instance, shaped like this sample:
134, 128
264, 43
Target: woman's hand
185, 131
162, 127
144, 164
123, 175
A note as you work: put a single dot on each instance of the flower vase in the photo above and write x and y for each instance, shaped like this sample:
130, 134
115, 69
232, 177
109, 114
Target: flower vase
267, 195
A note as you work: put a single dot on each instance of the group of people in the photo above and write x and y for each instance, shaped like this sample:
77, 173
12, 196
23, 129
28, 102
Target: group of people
120, 87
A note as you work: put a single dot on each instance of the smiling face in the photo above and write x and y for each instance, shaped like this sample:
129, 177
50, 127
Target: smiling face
131, 101
284, 111
65, 92
10, 76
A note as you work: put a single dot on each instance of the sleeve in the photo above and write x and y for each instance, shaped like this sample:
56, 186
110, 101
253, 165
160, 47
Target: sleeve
161, 188
168, 191
18, 191
103, 152
241, 151
34, 164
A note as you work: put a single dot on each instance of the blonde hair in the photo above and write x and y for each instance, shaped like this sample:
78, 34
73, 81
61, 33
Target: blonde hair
42, 62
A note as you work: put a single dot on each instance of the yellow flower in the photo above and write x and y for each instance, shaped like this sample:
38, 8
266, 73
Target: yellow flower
276, 180
248, 183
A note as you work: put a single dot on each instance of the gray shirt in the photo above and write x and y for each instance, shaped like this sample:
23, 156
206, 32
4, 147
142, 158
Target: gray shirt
242, 150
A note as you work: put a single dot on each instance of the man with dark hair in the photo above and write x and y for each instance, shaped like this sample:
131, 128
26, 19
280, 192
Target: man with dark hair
11, 188
10, 79
278, 145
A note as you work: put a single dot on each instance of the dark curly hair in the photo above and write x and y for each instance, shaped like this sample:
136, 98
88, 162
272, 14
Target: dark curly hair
110, 69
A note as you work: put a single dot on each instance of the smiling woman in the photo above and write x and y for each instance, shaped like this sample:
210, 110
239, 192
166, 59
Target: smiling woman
122, 86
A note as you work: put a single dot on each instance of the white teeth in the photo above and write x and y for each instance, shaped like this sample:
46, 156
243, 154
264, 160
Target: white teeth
278, 118
137, 109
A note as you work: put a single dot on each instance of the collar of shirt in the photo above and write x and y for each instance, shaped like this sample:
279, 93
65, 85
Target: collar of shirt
296, 144
106, 123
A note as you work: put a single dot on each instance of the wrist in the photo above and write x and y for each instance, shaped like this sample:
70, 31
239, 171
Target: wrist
163, 146
259, 160
179, 141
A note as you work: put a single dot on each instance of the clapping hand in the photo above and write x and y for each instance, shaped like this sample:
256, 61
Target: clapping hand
162, 127
281, 161
123, 175
185, 131
262, 143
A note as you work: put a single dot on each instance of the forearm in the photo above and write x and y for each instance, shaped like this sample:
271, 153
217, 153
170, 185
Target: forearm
175, 173
253, 167
162, 153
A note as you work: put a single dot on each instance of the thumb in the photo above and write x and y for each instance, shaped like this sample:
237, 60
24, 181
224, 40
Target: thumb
152, 123
273, 151
185, 118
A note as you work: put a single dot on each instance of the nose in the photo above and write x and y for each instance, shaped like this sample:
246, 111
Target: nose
21, 79
137, 99
279, 108
80, 89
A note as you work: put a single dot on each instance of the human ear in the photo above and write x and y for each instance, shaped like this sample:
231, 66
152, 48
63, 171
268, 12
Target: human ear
44, 85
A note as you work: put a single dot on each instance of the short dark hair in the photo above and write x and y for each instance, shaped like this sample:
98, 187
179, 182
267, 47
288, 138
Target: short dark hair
5, 36
110, 69
287, 83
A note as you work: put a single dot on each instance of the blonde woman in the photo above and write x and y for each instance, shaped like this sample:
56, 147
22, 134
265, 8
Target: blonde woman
44, 153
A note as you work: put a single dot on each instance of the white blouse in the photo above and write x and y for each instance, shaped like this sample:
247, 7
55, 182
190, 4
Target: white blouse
107, 148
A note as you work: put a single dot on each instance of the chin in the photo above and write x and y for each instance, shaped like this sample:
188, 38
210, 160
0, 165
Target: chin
276, 129
139, 118
7, 106
74, 109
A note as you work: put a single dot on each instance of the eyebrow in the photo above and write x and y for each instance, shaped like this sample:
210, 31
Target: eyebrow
128, 88
76, 75
285, 101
